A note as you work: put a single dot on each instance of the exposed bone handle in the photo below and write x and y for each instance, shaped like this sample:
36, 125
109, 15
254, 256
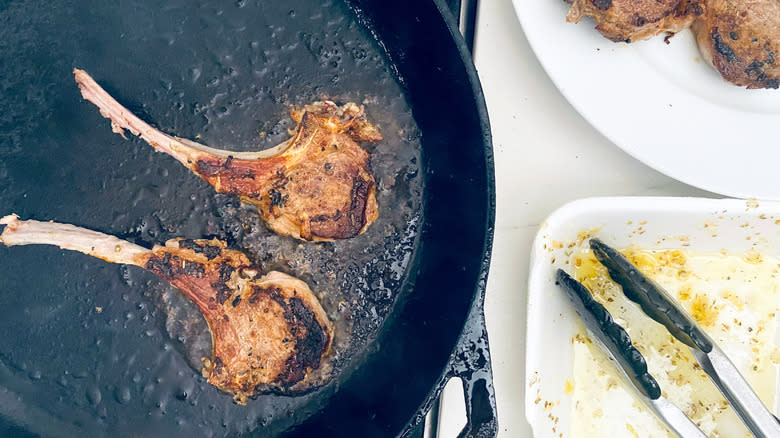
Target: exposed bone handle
71, 237
186, 151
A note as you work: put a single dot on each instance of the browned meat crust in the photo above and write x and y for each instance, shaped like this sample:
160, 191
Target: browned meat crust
269, 332
633, 20
320, 188
741, 40
316, 186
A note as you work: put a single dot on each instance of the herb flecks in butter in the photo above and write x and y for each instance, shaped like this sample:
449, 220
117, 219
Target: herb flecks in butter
704, 310
733, 297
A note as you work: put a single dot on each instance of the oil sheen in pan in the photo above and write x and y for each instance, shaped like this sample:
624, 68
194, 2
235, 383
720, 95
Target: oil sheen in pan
92, 348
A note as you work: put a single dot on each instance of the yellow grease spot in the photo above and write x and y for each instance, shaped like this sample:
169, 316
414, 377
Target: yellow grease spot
685, 293
704, 311
630, 428
734, 299
674, 258
588, 271
775, 357
584, 235
642, 259
753, 257
569, 387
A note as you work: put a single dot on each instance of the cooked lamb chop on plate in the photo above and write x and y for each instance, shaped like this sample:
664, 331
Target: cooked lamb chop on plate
741, 40
269, 332
315, 186
633, 20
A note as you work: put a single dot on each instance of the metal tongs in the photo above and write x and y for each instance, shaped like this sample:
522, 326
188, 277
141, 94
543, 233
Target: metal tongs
656, 303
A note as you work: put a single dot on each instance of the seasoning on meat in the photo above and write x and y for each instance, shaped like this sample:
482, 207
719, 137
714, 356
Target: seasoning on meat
741, 41
634, 20
315, 186
269, 332
738, 38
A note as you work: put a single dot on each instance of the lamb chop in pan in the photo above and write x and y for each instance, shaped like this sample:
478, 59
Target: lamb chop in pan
315, 186
269, 332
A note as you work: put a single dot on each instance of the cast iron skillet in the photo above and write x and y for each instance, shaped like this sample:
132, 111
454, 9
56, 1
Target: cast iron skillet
76, 361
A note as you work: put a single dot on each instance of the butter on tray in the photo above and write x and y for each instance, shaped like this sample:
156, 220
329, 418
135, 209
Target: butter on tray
733, 297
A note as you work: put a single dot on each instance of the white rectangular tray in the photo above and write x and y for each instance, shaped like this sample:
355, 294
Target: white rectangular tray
698, 224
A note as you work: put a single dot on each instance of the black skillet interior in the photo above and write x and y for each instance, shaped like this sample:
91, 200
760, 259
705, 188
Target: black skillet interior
91, 348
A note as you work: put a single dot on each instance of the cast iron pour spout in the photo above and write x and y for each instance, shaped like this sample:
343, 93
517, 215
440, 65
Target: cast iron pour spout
269, 332
315, 186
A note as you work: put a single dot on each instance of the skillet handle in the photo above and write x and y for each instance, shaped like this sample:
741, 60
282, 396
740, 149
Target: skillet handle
464, 13
471, 363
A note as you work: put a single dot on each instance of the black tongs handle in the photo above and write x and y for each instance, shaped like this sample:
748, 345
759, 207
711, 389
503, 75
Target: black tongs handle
654, 300
612, 336
616, 342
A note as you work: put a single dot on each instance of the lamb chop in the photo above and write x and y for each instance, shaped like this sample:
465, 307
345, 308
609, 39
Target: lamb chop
633, 20
741, 40
269, 332
315, 186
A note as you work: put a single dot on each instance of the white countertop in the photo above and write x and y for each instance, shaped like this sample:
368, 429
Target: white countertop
546, 155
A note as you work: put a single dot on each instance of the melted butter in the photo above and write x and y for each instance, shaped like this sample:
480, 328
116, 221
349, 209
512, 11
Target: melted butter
569, 387
733, 298
704, 311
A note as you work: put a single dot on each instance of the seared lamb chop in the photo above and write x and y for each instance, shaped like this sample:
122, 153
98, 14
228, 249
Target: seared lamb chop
315, 186
633, 20
269, 332
741, 41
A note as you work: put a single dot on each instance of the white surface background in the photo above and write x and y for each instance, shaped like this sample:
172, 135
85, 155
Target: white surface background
546, 155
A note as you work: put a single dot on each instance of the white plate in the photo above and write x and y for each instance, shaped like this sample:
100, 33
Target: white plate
661, 103
668, 223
